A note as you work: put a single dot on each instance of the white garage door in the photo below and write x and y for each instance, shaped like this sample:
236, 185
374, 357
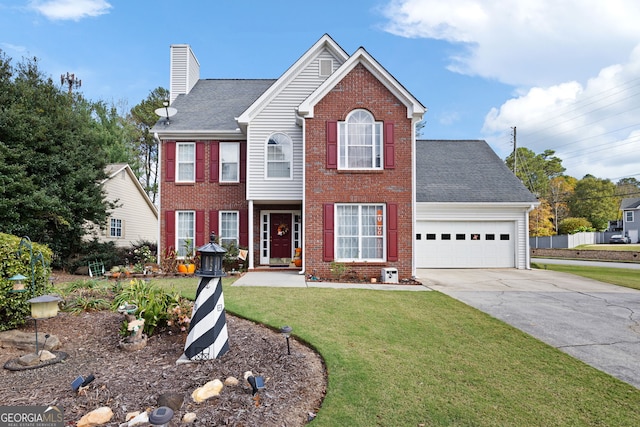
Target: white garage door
476, 244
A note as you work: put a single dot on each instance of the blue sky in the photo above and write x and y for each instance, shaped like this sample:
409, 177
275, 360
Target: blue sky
565, 73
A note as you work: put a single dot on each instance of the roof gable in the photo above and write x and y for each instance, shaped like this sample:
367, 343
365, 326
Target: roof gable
465, 171
414, 108
325, 43
113, 169
630, 203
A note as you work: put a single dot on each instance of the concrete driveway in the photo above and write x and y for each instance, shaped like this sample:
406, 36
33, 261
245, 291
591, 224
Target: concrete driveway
592, 321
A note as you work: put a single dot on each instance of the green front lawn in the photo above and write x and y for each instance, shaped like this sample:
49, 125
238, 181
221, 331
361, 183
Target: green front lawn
627, 277
607, 247
422, 358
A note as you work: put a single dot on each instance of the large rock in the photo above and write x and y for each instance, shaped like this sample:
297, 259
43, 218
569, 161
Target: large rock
171, 400
210, 389
96, 417
27, 340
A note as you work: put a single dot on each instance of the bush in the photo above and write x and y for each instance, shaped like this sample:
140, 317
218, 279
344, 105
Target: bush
574, 225
93, 251
16, 259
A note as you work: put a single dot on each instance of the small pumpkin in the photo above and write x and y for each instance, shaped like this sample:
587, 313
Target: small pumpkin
182, 268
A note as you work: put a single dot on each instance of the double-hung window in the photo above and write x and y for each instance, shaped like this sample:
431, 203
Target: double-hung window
229, 162
628, 216
115, 227
185, 231
360, 142
279, 155
360, 232
229, 227
186, 161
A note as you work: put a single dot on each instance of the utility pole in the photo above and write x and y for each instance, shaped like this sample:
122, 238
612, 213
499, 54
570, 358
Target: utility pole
71, 81
515, 154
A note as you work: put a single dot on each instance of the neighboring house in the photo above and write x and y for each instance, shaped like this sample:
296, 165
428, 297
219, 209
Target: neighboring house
325, 159
630, 208
135, 217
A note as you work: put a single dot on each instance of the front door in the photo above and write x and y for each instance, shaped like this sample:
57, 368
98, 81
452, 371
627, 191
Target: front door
280, 234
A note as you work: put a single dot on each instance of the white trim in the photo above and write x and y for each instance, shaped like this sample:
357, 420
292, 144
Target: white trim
238, 172
360, 235
183, 162
265, 226
266, 158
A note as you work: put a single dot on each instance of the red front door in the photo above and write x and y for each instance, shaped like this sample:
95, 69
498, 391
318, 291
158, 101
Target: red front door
280, 235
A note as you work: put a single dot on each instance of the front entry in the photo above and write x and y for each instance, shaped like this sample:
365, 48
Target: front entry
280, 236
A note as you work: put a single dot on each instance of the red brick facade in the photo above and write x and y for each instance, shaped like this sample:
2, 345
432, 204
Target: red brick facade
358, 90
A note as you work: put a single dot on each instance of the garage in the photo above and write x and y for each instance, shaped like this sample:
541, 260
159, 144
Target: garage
465, 244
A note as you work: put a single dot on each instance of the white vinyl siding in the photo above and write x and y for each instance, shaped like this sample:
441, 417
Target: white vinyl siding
279, 116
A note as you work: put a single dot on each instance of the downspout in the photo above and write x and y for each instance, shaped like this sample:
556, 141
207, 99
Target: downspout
527, 246
159, 204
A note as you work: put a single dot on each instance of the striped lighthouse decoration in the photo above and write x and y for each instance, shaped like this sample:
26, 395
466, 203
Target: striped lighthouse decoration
208, 337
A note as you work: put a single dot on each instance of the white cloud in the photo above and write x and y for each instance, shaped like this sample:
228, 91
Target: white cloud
70, 9
594, 128
528, 42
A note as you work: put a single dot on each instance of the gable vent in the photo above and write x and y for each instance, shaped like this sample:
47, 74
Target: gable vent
326, 67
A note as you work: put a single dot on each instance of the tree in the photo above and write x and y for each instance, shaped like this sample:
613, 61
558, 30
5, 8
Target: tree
628, 187
595, 199
536, 170
52, 160
143, 117
560, 190
540, 220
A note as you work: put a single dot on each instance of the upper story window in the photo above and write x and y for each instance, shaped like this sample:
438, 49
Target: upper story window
279, 155
186, 162
360, 142
229, 162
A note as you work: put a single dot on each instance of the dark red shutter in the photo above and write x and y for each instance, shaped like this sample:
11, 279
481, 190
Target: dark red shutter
389, 146
213, 221
170, 160
243, 162
169, 230
392, 232
332, 145
214, 163
200, 228
199, 161
244, 227
327, 231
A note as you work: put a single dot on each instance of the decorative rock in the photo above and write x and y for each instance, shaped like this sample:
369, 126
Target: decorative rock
46, 355
131, 415
171, 400
231, 381
96, 417
27, 340
140, 419
189, 417
30, 359
210, 389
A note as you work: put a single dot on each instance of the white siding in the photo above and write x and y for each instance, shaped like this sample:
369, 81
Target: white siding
280, 116
184, 71
139, 220
496, 213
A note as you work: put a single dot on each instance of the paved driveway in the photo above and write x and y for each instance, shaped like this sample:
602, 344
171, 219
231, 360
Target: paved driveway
595, 322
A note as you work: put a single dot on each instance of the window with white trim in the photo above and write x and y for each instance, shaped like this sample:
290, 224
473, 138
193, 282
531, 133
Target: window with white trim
115, 228
229, 162
279, 155
185, 162
229, 227
360, 142
360, 232
628, 216
185, 231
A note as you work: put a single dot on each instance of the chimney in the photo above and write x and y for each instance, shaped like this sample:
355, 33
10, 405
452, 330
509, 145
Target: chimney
184, 72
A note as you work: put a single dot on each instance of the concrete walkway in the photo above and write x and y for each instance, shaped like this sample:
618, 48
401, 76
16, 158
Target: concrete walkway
293, 279
592, 321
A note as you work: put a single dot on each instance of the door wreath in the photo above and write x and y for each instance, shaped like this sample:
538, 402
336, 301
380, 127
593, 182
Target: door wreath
283, 229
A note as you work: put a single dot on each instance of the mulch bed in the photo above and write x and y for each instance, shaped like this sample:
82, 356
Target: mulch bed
133, 381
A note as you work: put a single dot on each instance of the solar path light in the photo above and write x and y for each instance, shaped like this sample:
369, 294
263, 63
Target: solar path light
286, 332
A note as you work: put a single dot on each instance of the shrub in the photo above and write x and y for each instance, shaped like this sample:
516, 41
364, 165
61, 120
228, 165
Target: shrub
94, 250
16, 259
574, 225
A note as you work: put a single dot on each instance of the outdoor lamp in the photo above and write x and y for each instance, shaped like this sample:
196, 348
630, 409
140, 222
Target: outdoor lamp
18, 286
286, 331
161, 416
211, 256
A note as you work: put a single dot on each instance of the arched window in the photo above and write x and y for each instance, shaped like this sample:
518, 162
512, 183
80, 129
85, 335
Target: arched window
360, 141
279, 155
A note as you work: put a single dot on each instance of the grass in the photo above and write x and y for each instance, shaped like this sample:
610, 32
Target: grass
627, 277
607, 247
422, 358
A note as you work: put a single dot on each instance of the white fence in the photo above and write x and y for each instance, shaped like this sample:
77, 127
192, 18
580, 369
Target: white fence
567, 241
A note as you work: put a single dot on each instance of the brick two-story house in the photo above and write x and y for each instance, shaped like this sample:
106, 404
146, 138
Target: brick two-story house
322, 159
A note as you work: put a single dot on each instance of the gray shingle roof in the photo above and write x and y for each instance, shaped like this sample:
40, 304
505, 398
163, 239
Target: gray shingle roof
213, 104
465, 171
630, 203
